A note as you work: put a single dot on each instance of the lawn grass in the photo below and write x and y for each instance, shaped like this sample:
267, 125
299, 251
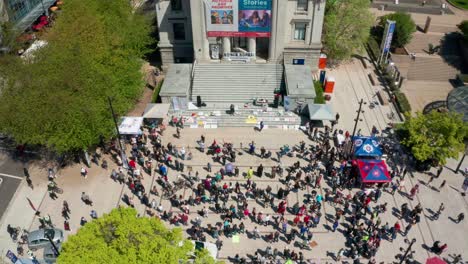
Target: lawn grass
463, 4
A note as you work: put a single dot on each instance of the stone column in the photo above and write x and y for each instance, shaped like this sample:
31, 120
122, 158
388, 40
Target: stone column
274, 20
226, 44
253, 45
200, 40
317, 22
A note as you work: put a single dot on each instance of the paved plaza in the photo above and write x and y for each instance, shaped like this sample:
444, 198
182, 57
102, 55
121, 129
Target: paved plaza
352, 86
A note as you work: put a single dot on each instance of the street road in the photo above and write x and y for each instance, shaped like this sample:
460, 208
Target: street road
11, 172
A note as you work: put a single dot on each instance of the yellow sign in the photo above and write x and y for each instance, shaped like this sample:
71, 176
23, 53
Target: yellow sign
251, 120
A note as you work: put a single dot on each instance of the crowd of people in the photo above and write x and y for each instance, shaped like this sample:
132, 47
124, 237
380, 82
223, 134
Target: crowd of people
357, 211
233, 197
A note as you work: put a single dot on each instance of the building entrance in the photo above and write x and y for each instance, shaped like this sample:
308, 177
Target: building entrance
239, 42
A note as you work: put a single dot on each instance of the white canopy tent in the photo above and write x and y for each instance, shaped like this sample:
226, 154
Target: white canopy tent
130, 125
156, 110
321, 112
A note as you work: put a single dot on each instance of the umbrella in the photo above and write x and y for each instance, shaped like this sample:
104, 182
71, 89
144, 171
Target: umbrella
229, 168
435, 260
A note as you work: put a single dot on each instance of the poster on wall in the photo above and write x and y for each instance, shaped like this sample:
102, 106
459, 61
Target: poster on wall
238, 18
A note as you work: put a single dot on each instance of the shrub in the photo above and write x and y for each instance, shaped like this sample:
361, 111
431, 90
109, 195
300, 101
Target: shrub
374, 48
319, 98
402, 102
156, 91
405, 27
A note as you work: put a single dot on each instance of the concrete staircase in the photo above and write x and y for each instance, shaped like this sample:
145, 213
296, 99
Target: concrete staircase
434, 68
236, 83
250, 116
432, 7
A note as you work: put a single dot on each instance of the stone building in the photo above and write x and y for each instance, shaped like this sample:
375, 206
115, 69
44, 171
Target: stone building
251, 31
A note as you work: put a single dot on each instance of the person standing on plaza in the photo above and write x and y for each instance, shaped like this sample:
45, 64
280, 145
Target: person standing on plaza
208, 167
262, 125
93, 214
439, 211
260, 171
465, 186
442, 185
414, 191
85, 198
252, 148
66, 225
83, 221
335, 225
84, 172
66, 207
460, 218
250, 173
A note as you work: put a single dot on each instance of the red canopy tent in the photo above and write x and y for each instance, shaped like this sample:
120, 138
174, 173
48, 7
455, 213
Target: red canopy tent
435, 260
373, 171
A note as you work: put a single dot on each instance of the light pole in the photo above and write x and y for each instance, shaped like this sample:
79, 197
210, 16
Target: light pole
463, 158
357, 118
119, 138
403, 258
57, 253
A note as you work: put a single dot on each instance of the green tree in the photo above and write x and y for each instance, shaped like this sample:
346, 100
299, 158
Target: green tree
437, 136
463, 26
122, 237
59, 98
404, 28
346, 28
8, 38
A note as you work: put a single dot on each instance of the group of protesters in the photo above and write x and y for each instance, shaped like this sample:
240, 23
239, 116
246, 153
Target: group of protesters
357, 213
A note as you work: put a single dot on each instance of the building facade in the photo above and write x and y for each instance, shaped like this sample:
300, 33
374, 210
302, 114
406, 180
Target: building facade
252, 31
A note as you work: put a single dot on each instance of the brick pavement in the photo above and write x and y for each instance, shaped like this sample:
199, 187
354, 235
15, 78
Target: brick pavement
351, 86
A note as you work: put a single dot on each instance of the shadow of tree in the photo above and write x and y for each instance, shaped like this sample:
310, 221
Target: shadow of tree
450, 50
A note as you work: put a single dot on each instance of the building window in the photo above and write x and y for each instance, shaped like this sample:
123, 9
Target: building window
179, 31
299, 31
176, 5
302, 5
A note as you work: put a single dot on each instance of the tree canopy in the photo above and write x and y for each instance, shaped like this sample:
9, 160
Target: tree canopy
463, 26
404, 28
122, 237
436, 136
59, 98
346, 28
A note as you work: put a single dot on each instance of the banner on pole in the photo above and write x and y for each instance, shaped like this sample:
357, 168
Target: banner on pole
388, 35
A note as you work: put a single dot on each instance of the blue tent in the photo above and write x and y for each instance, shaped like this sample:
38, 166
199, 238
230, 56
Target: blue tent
366, 147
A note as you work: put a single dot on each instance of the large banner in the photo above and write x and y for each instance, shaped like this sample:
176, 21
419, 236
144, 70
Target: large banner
238, 18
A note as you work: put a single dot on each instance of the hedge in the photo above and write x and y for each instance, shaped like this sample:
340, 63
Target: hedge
156, 91
374, 48
402, 102
319, 98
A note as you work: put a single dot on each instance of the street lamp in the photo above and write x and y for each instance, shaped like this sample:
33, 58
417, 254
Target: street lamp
357, 118
463, 158
408, 250
119, 138
57, 253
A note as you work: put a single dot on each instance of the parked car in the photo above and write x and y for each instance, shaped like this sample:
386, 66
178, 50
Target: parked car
38, 239
50, 254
